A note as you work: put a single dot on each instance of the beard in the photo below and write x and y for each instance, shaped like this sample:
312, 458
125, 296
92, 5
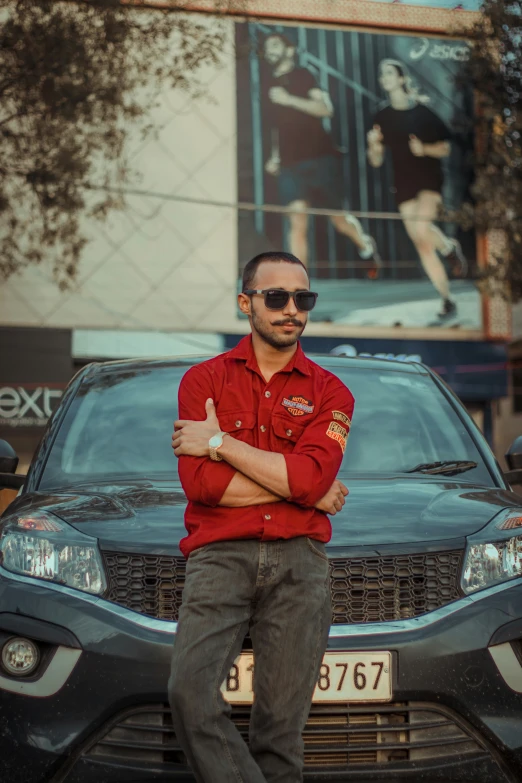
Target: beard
276, 339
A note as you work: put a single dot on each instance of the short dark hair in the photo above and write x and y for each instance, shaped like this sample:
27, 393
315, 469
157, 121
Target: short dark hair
277, 256
284, 38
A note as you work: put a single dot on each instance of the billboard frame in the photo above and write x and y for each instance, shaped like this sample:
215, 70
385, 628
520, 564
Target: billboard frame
390, 15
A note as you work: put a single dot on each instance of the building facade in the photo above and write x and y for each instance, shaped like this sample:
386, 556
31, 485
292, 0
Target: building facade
280, 154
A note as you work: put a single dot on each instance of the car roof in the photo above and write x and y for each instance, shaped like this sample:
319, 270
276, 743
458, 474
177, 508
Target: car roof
327, 361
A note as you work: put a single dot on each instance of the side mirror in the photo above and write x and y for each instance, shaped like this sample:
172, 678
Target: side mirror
8, 466
514, 461
8, 458
514, 454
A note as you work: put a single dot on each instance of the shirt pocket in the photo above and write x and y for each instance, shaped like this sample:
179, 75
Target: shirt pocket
239, 424
286, 432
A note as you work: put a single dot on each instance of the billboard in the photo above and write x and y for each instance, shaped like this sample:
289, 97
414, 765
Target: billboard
349, 144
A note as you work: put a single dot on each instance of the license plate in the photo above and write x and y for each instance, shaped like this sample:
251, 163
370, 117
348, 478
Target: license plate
344, 676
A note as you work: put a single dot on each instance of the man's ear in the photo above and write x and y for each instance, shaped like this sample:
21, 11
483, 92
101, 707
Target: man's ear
245, 304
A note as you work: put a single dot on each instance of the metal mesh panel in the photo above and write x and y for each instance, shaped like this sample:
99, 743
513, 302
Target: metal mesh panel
336, 736
372, 589
149, 584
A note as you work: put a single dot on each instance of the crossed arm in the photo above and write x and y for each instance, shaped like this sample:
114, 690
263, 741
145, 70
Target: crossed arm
249, 476
243, 491
271, 484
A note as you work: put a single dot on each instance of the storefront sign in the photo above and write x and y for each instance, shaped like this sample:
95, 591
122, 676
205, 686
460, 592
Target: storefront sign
35, 367
27, 406
476, 371
346, 349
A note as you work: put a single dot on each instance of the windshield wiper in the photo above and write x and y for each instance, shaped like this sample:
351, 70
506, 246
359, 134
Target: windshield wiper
449, 467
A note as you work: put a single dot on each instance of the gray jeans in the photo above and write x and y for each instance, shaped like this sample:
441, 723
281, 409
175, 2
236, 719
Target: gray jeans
279, 592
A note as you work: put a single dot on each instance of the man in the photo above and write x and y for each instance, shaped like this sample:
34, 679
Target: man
303, 156
260, 441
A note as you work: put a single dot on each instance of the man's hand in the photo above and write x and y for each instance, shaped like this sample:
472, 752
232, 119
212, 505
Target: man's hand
416, 147
273, 165
280, 96
375, 139
334, 499
191, 438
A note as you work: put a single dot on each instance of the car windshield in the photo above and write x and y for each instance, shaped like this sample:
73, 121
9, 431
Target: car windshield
120, 422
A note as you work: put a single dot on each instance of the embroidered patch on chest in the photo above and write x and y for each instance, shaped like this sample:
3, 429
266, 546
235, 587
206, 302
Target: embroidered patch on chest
337, 432
297, 405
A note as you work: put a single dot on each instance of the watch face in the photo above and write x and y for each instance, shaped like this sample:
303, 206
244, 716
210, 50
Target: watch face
215, 441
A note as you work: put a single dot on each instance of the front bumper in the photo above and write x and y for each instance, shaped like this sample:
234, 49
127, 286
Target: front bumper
77, 722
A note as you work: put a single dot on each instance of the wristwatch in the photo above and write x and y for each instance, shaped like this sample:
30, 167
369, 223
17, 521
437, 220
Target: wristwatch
215, 443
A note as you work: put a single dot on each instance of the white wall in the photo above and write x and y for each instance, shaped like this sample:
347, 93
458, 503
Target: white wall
160, 265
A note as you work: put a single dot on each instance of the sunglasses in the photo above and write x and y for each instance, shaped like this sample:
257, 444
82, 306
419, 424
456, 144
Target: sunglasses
276, 299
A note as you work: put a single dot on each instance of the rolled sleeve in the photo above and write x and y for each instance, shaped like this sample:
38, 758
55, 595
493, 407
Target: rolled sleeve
315, 461
203, 480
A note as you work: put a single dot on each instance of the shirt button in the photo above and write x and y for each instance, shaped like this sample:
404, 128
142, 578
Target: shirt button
289, 432
238, 423
267, 394
267, 516
262, 428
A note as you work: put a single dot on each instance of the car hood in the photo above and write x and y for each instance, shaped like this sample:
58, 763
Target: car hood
392, 512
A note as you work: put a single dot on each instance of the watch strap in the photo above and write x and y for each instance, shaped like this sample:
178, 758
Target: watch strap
213, 450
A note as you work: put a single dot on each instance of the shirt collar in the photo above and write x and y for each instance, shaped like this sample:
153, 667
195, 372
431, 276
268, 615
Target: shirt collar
245, 351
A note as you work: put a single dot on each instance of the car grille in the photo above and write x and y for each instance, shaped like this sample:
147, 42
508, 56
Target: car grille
336, 736
364, 590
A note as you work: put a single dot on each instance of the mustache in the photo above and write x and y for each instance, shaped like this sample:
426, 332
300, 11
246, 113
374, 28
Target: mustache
293, 321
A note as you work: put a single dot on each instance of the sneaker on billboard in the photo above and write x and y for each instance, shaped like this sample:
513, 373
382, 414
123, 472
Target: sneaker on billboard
449, 308
457, 260
369, 253
374, 260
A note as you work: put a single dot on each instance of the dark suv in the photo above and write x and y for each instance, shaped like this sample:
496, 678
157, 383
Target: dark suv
422, 680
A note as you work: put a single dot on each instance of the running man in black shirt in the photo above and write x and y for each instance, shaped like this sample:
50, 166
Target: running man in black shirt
303, 155
418, 140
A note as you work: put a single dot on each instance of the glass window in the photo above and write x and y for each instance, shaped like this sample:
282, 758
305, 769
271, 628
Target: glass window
120, 424
401, 420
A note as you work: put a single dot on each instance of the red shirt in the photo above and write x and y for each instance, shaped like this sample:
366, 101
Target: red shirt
304, 412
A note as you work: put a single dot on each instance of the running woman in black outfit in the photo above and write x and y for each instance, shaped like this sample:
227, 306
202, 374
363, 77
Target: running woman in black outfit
418, 140
304, 156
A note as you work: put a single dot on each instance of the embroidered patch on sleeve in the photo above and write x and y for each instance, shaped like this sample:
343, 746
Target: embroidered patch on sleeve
297, 406
340, 416
338, 433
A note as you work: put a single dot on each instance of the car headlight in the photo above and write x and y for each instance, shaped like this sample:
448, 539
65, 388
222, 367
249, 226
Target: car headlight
491, 560
42, 546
